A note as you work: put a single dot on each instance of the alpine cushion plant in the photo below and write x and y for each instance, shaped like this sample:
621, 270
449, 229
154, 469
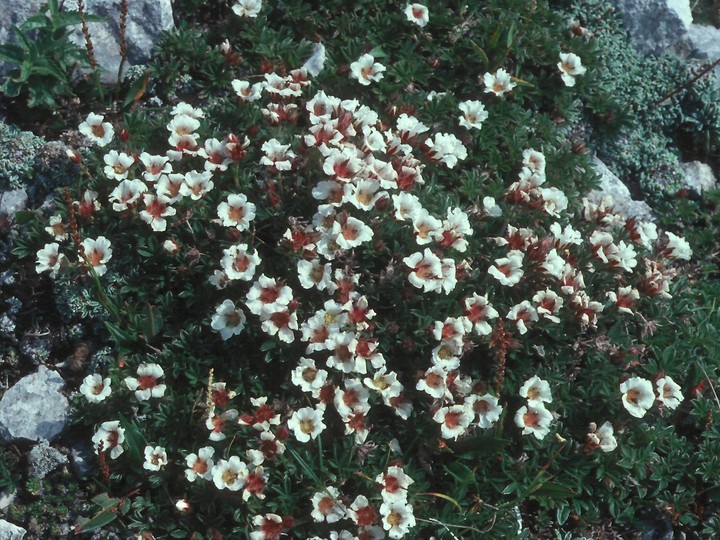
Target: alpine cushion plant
368, 319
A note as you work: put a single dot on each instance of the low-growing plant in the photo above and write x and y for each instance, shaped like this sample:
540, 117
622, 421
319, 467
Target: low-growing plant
365, 296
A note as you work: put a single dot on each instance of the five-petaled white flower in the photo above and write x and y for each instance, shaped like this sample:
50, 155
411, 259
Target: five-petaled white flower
498, 83
146, 384
155, 458
570, 67
101, 133
306, 423
247, 8
366, 70
474, 114
669, 392
95, 388
638, 396
109, 438
417, 14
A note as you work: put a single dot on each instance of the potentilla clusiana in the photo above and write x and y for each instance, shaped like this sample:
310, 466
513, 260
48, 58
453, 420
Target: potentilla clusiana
228, 320
147, 385
49, 258
534, 419
327, 506
117, 165
101, 133
200, 465
230, 474
236, 212
570, 66
397, 517
97, 252
669, 392
366, 70
536, 391
155, 458
95, 388
498, 83
637, 396
109, 438
486, 408
306, 423
474, 114
417, 14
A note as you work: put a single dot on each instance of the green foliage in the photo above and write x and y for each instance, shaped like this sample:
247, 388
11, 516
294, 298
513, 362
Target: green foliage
154, 303
45, 57
653, 118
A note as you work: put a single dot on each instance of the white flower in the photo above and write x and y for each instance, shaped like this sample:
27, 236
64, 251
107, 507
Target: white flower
499, 83
155, 458
536, 391
398, 518
57, 228
554, 201
638, 396
277, 155
146, 384
228, 320
308, 377
155, 166
487, 409
418, 14
453, 420
677, 248
247, 8
196, 184
669, 392
395, 484
602, 438
236, 212
239, 263
508, 270
109, 437
474, 114
186, 109
101, 133
95, 388
426, 270
327, 506
117, 165
155, 211
126, 194
534, 419
247, 92
200, 465
570, 67
306, 423
366, 70
97, 253
230, 474
49, 258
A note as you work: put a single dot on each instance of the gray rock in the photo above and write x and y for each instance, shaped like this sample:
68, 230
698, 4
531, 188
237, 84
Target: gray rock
146, 20
613, 186
12, 202
701, 43
7, 498
654, 26
698, 176
44, 459
8, 531
82, 457
14, 12
34, 408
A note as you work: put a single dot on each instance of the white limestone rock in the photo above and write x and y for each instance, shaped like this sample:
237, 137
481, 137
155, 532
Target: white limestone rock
34, 408
698, 176
613, 186
654, 26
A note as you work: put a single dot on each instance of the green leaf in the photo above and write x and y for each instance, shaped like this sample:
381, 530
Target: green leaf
134, 439
101, 519
562, 514
481, 52
553, 490
119, 335
152, 321
511, 35
24, 217
378, 52
11, 53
